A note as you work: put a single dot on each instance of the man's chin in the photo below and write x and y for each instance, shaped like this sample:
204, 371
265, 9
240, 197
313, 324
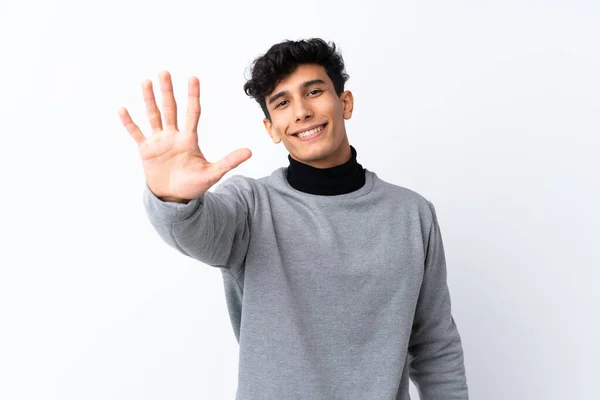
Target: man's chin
317, 157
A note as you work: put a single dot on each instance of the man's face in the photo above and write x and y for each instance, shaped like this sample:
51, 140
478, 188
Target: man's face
306, 101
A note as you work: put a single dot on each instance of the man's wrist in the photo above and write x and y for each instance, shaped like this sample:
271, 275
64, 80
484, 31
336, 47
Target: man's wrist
174, 200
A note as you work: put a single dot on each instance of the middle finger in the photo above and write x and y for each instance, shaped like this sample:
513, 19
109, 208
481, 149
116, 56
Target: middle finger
169, 104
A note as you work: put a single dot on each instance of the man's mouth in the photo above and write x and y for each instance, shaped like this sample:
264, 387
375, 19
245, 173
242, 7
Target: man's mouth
310, 132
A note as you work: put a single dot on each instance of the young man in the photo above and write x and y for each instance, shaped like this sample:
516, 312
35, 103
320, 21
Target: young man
335, 280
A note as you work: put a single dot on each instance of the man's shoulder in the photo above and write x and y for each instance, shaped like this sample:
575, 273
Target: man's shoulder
246, 185
406, 195
408, 201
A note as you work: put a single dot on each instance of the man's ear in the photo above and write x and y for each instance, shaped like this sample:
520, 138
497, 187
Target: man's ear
269, 127
347, 104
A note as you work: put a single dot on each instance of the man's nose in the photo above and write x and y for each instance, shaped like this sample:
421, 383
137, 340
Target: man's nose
302, 112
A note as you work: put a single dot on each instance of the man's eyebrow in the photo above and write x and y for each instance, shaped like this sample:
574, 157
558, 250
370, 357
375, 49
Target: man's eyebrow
304, 85
312, 82
276, 96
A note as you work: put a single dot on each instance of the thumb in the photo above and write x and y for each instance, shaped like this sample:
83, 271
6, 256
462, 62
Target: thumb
232, 160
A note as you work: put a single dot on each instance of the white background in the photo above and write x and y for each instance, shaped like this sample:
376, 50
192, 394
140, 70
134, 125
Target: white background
488, 109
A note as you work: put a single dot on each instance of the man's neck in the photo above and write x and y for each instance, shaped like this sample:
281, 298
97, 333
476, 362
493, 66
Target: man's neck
341, 179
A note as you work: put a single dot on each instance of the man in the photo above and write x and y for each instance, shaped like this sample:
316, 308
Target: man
335, 280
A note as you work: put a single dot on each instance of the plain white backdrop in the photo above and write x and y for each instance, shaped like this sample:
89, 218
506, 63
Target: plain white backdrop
489, 109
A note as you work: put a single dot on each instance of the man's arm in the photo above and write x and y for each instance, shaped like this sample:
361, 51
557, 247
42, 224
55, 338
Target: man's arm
213, 228
435, 349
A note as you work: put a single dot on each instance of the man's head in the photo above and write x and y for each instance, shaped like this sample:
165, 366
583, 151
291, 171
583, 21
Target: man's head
300, 85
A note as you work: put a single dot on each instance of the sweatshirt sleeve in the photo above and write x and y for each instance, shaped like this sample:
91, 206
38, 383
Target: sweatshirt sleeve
213, 228
435, 349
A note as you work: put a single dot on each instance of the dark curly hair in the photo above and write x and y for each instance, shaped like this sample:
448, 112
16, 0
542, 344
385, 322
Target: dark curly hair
282, 59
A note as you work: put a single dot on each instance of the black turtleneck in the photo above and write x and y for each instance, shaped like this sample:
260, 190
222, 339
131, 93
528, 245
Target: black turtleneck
340, 179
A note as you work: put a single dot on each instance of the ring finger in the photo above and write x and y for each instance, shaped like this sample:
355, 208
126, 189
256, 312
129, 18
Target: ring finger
152, 110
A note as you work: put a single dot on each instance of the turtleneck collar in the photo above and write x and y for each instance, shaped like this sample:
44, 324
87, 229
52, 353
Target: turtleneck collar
341, 179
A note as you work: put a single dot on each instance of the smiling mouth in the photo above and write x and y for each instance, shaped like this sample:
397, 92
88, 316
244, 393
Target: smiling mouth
311, 132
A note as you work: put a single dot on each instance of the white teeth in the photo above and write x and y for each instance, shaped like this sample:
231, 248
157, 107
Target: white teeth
310, 133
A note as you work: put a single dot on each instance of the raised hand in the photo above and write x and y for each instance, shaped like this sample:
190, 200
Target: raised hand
174, 166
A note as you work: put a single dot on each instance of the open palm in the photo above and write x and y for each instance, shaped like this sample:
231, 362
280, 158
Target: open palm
174, 166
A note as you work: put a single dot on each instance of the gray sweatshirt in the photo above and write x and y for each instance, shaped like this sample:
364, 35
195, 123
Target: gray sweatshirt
330, 297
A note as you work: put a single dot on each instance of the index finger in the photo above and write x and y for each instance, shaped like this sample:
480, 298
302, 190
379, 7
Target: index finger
193, 108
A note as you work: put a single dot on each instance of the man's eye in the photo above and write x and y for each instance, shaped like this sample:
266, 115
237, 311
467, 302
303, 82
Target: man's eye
315, 91
280, 104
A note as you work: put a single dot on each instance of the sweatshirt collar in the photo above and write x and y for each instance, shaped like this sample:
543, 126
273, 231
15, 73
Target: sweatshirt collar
341, 179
